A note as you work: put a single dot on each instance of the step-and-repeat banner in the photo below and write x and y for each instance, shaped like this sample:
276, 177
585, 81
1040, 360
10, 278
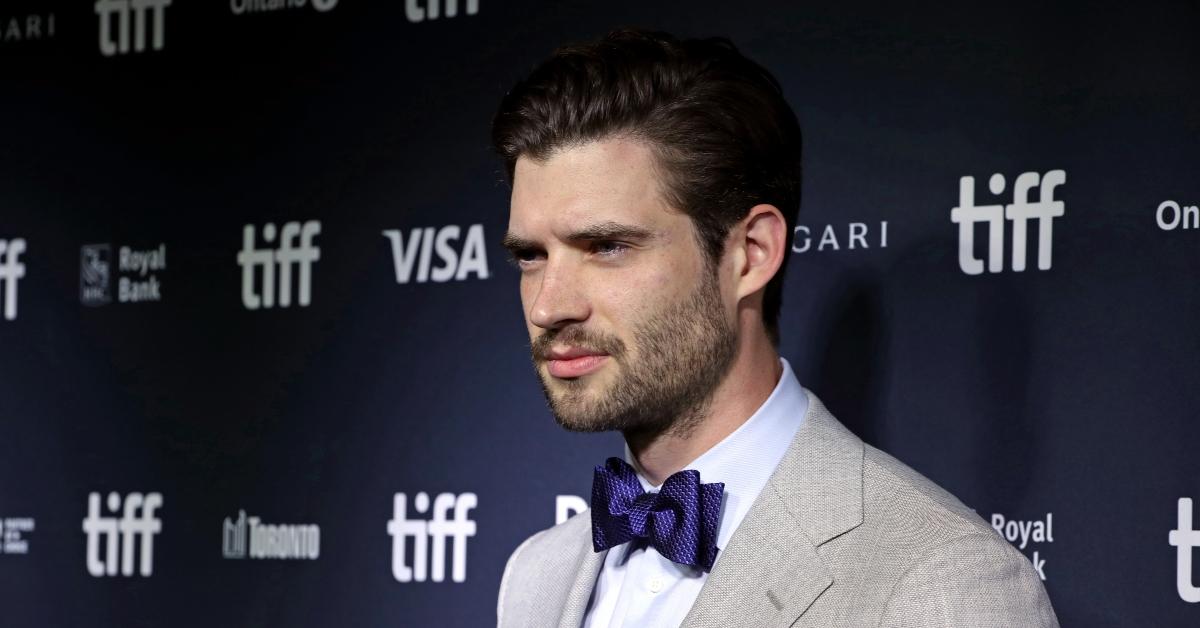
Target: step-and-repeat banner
263, 361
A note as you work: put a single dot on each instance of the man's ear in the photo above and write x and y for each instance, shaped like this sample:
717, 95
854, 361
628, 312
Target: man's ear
761, 240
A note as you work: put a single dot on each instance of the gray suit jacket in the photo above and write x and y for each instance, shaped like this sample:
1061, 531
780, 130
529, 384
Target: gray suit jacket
842, 535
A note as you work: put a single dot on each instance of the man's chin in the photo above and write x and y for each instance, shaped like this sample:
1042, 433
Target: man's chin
573, 402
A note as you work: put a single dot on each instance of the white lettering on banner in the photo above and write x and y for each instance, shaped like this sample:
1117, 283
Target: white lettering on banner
1019, 213
1185, 539
452, 264
429, 537
26, 28
1026, 531
251, 258
249, 536
857, 234
131, 12
421, 10
566, 506
11, 531
1170, 216
95, 274
118, 534
239, 7
11, 271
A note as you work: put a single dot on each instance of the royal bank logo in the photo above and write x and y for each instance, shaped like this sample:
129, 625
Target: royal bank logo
1019, 213
427, 537
1029, 536
113, 541
413, 257
1171, 216
95, 285
32, 27
130, 25
857, 235
11, 272
1185, 539
267, 272
242, 7
13, 533
249, 537
421, 10
138, 274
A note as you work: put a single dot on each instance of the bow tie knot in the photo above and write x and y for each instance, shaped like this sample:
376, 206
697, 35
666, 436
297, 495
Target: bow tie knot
680, 520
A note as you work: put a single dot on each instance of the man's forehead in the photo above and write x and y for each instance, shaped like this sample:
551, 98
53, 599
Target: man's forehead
609, 180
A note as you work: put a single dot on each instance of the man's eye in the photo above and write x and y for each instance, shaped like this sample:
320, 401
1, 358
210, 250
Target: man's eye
522, 259
609, 249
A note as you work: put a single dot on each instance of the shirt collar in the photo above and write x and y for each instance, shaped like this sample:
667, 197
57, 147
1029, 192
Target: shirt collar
745, 459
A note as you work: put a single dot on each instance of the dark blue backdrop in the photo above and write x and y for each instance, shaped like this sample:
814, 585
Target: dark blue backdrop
1062, 398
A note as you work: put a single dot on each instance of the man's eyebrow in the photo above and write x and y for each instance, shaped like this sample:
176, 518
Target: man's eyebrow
607, 230
514, 243
610, 231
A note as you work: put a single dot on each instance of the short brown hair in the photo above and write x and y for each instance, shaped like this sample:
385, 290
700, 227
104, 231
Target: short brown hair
722, 133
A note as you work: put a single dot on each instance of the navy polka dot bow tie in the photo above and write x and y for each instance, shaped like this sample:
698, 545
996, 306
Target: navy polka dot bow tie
680, 520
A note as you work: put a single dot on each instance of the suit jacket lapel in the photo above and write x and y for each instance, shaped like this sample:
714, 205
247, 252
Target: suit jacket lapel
770, 572
580, 593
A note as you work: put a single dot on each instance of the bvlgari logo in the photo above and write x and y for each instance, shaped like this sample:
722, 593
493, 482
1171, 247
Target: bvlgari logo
855, 235
30, 27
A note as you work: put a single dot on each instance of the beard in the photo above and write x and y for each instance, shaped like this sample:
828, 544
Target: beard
680, 357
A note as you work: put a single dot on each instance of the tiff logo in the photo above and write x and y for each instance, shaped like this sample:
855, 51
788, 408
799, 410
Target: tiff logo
121, 11
286, 256
11, 271
454, 262
137, 520
1019, 212
1185, 539
422, 532
421, 10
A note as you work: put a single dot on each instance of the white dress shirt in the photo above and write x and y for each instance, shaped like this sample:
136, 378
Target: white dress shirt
638, 587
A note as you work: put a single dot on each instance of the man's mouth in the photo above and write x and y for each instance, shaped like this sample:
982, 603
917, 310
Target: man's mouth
568, 362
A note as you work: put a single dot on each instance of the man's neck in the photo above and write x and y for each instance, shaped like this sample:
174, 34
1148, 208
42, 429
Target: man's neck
751, 378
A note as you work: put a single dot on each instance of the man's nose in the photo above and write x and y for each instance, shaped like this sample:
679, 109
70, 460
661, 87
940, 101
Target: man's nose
559, 300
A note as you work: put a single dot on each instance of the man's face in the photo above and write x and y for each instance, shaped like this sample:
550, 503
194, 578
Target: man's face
629, 325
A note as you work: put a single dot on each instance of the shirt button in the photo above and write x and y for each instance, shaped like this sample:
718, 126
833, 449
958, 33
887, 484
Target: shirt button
656, 585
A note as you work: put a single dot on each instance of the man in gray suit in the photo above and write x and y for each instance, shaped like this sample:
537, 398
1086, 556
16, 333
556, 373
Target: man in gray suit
655, 187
